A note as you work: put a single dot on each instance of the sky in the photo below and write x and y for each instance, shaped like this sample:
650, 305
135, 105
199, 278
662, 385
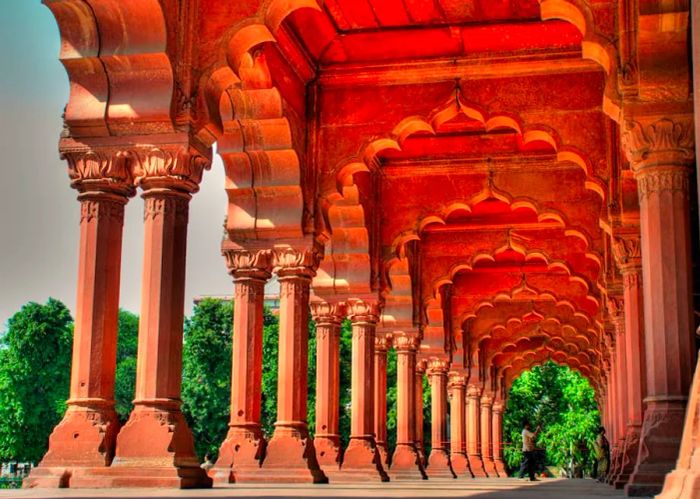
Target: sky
39, 214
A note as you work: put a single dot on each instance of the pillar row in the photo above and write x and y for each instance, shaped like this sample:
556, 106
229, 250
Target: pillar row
244, 446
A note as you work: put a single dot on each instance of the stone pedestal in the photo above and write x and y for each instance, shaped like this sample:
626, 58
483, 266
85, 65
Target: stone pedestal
291, 455
660, 151
361, 460
476, 463
458, 454
406, 463
244, 447
439, 465
328, 318
86, 436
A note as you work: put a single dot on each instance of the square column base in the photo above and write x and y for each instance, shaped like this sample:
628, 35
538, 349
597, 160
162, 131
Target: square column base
460, 465
439, 465
477, 466
290, 458
120, 477
362, 460
407, 464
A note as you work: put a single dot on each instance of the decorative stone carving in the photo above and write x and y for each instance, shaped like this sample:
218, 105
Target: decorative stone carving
243, 262
165, 163
406, 342
437, 366
290, 261
627, 250
324, 312
664, 141
360, 310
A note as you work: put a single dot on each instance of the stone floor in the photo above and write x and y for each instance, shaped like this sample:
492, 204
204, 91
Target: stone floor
504, 488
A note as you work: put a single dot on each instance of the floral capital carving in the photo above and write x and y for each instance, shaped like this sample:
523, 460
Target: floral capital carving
405, 342
360, 310
473, 391
497, 407
243, 263
103, 169
327, 313
437, 367
627, 251
178, 165
456, 381
486, 400
658, 142
289, 261
381, 343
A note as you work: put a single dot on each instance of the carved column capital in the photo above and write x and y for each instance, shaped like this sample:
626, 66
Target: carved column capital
289, 261
381, 342
473, 391
405, 342
486, 400
627, 250
327, 313
97, 169
653, 141
421, 367
497, 406
456, 380
248, 264
437, 367
169, 165
360, 310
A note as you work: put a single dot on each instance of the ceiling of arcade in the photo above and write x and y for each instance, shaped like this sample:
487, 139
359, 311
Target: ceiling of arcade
455, 157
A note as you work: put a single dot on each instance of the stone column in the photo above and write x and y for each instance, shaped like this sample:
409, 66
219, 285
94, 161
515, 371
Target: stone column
418, 408
616, 309
406, 462
627, 251
497, 438
155, 447
361, 457
244, 447
439, 465
86, 435
458, 456
291, 455
613, 416
476, 463
487, 435
328, 318
661, 153
381, 343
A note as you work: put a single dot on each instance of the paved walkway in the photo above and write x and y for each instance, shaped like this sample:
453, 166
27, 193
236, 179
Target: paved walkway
497, 488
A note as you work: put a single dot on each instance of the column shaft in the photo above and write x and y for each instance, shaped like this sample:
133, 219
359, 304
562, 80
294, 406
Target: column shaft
380, 387
487, 435
439, 465
458, 455
244, 447
406, 462
328, 318
361, 456
476, 462
291, 455
419, 417
86, 436
661, 153
497, 439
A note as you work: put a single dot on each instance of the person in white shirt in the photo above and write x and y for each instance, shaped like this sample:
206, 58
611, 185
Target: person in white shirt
528, 464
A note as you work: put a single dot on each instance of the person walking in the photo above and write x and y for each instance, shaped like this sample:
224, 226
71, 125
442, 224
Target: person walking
528, 464
602, 454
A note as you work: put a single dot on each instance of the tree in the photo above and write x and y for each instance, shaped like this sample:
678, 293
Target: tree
563, 403
125, 379
206, 373
35, 355
269, 372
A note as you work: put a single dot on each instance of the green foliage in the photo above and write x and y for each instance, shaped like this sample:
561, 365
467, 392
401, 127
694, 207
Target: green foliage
563, 403
391, 401
35, 353
345, 381
206, 373
125, 379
